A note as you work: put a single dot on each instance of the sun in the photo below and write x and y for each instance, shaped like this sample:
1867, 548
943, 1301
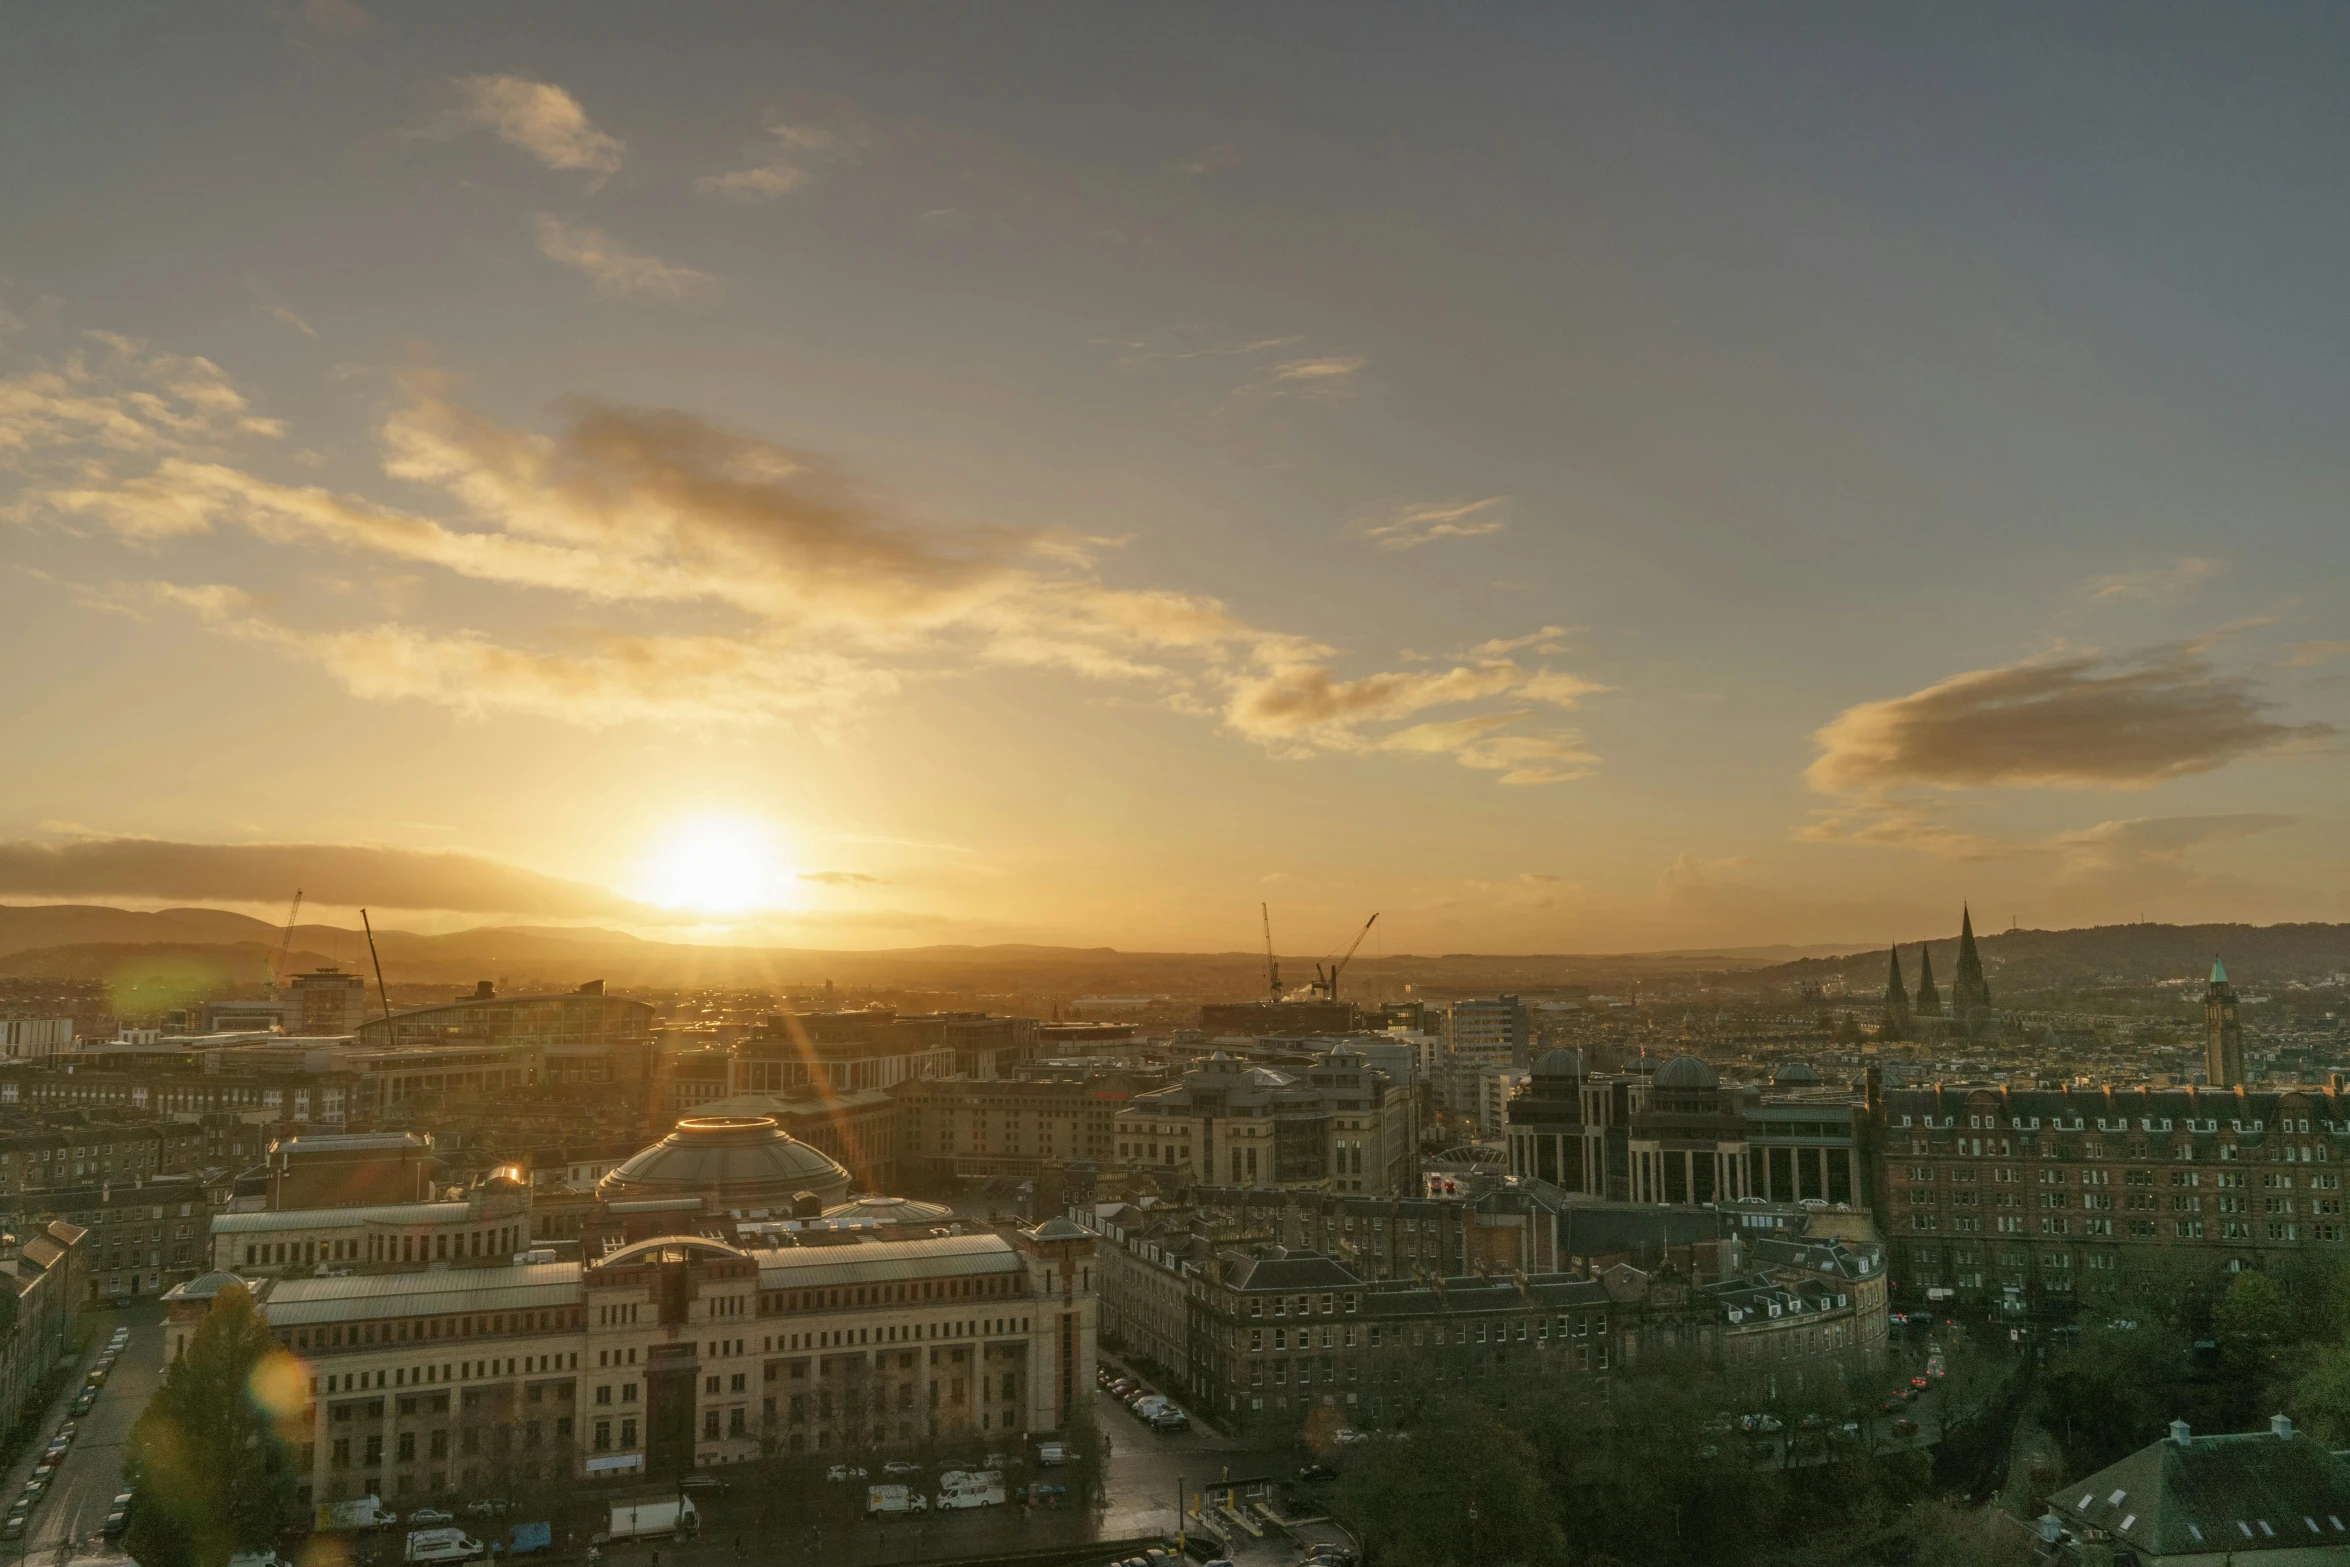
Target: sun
719, 864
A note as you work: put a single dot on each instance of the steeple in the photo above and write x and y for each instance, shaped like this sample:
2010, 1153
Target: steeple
1970, 993
1929, 1002
2219, 971
1895, 1022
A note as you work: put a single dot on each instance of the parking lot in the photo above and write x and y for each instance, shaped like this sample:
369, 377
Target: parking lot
86, 1481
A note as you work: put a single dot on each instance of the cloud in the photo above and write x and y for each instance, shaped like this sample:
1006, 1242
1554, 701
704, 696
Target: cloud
2161, 840
781, 169
285, 315
129, 399
332, 875
1412, 526
1545, 640
538, 117
615, 268
2181, 579
2304, 655
1540, 878
1329, 378
2082, 722
335, 18
759, 584
843, 878
1208, 160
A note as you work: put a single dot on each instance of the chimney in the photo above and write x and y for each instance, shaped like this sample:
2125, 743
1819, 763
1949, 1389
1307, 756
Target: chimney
2281, 1427
2180, 1434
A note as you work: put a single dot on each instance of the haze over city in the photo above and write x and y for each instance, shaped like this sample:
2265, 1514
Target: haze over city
842, 476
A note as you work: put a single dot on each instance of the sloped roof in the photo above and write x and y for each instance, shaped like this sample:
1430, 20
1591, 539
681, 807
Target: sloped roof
2211, 1494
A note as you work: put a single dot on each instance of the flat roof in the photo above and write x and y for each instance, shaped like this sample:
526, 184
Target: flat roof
446, 1292
341, 1218
886, 1261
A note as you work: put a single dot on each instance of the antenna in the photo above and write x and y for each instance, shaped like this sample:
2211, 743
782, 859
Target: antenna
384, 995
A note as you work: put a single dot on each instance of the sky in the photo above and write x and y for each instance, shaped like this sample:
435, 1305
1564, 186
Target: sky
1569, 479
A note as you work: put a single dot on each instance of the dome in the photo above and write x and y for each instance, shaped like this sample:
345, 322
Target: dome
1796, 1074
1559, 1063
205, 1286
730, 1161
891, 1210
1686, 1072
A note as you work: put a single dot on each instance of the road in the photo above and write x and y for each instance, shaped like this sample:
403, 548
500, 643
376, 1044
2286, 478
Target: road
85, 1485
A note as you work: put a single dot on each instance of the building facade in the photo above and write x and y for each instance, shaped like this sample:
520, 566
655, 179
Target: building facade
580, 1036
1338, 1125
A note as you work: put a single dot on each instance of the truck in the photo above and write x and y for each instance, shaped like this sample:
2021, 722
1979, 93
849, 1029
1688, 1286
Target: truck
894, 1499
644, 1520
366, 1512
441, 1545
525, 1539
970, 1488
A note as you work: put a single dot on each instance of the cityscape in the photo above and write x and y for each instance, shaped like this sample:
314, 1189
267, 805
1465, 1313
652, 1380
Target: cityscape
859, 785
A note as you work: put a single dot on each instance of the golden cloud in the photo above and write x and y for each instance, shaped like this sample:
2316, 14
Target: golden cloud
615, 268
538, 117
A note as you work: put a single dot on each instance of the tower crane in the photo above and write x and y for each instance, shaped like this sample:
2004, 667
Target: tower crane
1272, 963
1327, 986
286, 945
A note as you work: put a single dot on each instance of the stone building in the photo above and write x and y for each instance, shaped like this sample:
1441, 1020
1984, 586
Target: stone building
1338, 1124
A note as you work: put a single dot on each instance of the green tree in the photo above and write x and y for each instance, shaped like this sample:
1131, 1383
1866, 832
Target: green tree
208, 1456
1462, 1491
2321, 1398
2252, 1321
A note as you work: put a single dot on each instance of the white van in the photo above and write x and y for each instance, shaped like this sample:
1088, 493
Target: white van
442, 1545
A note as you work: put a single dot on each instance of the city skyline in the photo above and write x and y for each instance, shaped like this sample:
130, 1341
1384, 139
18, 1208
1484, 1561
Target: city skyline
1566, 482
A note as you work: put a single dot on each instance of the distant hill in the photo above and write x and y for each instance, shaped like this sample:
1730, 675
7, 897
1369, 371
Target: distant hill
2104, 955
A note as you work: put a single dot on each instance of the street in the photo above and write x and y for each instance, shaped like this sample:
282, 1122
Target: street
86, 1483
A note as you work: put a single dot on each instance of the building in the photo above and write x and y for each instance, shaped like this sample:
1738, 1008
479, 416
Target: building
579, 1036
485, 1226
860, 1130
134, 1236
81, 1151
39, 1039
1337, 1124
351, 1169
43, 1273
956, 1128
800, 1054
1674, 1134
1496, 1087
2277, 1496
2223, 1036
1278, 1337
675, 1353
1256, 1019
325, 1003
2036, 1197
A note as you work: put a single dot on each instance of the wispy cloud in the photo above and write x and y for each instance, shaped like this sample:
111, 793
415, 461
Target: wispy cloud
834, 600
784, 164
2082, 722
843, 878
615, 268
1412, 526
284, 315
538, 117
335, 18
2304, 655
1328, 378
1206, 161
2181, 579
330, 875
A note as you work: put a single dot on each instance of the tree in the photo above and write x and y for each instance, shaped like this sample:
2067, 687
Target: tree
1462, 1491
2321, 1398
2252, 1320
209, 1456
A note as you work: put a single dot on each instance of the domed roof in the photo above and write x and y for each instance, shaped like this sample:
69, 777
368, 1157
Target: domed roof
891, 1210
1796, 1074
1559, 1063
205, 1286
730, 1161
1686, 1072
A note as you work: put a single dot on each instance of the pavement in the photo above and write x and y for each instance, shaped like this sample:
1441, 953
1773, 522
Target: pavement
85, 1484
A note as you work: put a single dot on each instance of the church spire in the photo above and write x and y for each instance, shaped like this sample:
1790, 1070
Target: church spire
1929, 1002
1895, 1022
1970, 993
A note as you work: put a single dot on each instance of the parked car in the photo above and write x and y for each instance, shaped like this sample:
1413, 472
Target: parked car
844, 1472
1920, 1383
1905, 1427
13, 1527
1051, 1453
485, 1508
1760, 1425
1001, 1460
1170, 1419
65, 1432
116, 1522
899, 1468
1313, 1472
44, 1471
34, 1490
1347, 1436
83, 1404
709, 1482
1046, 1494
430, 1515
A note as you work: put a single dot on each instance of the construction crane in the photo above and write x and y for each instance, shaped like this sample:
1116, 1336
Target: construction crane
1327, 986
286, 946
1272, 963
